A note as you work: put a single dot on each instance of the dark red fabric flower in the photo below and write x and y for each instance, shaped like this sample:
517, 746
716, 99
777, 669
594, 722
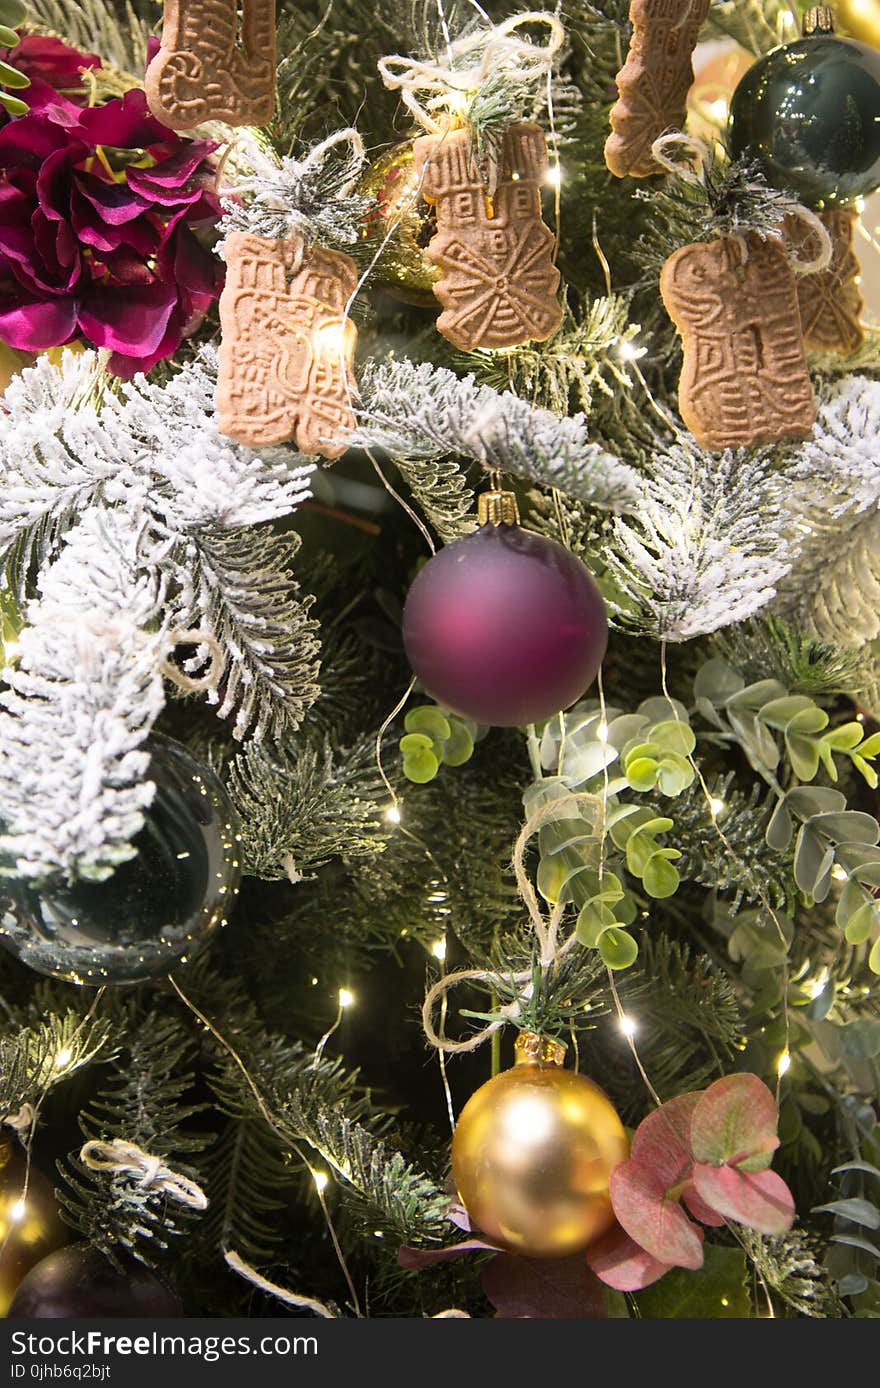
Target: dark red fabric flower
99, 209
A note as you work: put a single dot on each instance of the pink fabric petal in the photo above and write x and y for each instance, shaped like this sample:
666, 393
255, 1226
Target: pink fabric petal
166, 181
31, 139
758, 1199
622, 1264
125, 365
123, 123
656, 1223
34, 327
44, 58
126, 319
114, 203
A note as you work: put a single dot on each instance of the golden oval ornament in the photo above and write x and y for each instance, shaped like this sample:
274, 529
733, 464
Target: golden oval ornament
397, 207
533, 1152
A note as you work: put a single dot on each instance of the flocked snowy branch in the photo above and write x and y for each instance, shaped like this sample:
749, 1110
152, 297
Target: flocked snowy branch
155, 452
424, 412
834, 587
708, 546
142, 520
79, 704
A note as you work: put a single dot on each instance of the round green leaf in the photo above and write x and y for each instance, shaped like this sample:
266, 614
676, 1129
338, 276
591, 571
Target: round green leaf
459, 746
660, 878
617, 948
860, 924
420, 766
676, 737
428, 719
592, 922
675, 774
642, 773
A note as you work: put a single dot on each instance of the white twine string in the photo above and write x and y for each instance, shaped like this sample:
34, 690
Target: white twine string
216, 661
307, 1303
430, 86
687, 156
250, 1274
126, 1158
21, 1122
550, 951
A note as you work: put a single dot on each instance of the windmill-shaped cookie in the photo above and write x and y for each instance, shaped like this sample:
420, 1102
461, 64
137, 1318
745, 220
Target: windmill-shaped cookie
498, 284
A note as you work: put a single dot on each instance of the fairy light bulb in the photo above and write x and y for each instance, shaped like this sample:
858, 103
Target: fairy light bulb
346, 998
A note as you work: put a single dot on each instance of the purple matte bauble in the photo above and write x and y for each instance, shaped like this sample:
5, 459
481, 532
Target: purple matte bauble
78, 1282
505, 626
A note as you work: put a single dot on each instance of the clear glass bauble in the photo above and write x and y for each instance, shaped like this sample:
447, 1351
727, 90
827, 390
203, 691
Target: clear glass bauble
158, 908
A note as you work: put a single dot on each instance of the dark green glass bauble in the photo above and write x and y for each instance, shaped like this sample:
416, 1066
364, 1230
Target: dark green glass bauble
809, 115
157, 908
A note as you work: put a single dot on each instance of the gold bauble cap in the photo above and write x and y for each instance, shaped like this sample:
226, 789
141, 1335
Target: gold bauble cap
497, 508
818, 19
531, 1049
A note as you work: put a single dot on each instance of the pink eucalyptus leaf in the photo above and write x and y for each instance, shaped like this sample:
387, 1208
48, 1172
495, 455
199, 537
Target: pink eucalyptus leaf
414, 1258
620, 1263
662, 1145
699, 1209
543, 1288
735, 1121
759, 1199
658, 1224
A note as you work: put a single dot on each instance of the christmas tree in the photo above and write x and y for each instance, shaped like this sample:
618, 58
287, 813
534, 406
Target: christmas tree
441, 628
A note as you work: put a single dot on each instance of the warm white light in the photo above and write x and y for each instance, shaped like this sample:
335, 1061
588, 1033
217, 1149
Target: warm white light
321, 1180
18, 1212
346, 997
716, 806
554, 176
718, 110
628, 352
602, 732
330, 340
783, 1064
63, 1058
438, 949
392, 814
627, 1025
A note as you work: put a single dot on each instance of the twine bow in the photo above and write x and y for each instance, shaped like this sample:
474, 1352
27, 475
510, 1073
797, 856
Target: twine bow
550, 949
687, 157
428, 87
190, 684
126, 1158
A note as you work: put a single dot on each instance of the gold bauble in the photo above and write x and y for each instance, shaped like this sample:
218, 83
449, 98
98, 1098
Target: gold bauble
30, 1225
396, 206
860, 19
533, 1152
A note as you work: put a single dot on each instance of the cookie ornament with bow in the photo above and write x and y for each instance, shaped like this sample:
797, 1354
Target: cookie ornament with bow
286, 355
498, 284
